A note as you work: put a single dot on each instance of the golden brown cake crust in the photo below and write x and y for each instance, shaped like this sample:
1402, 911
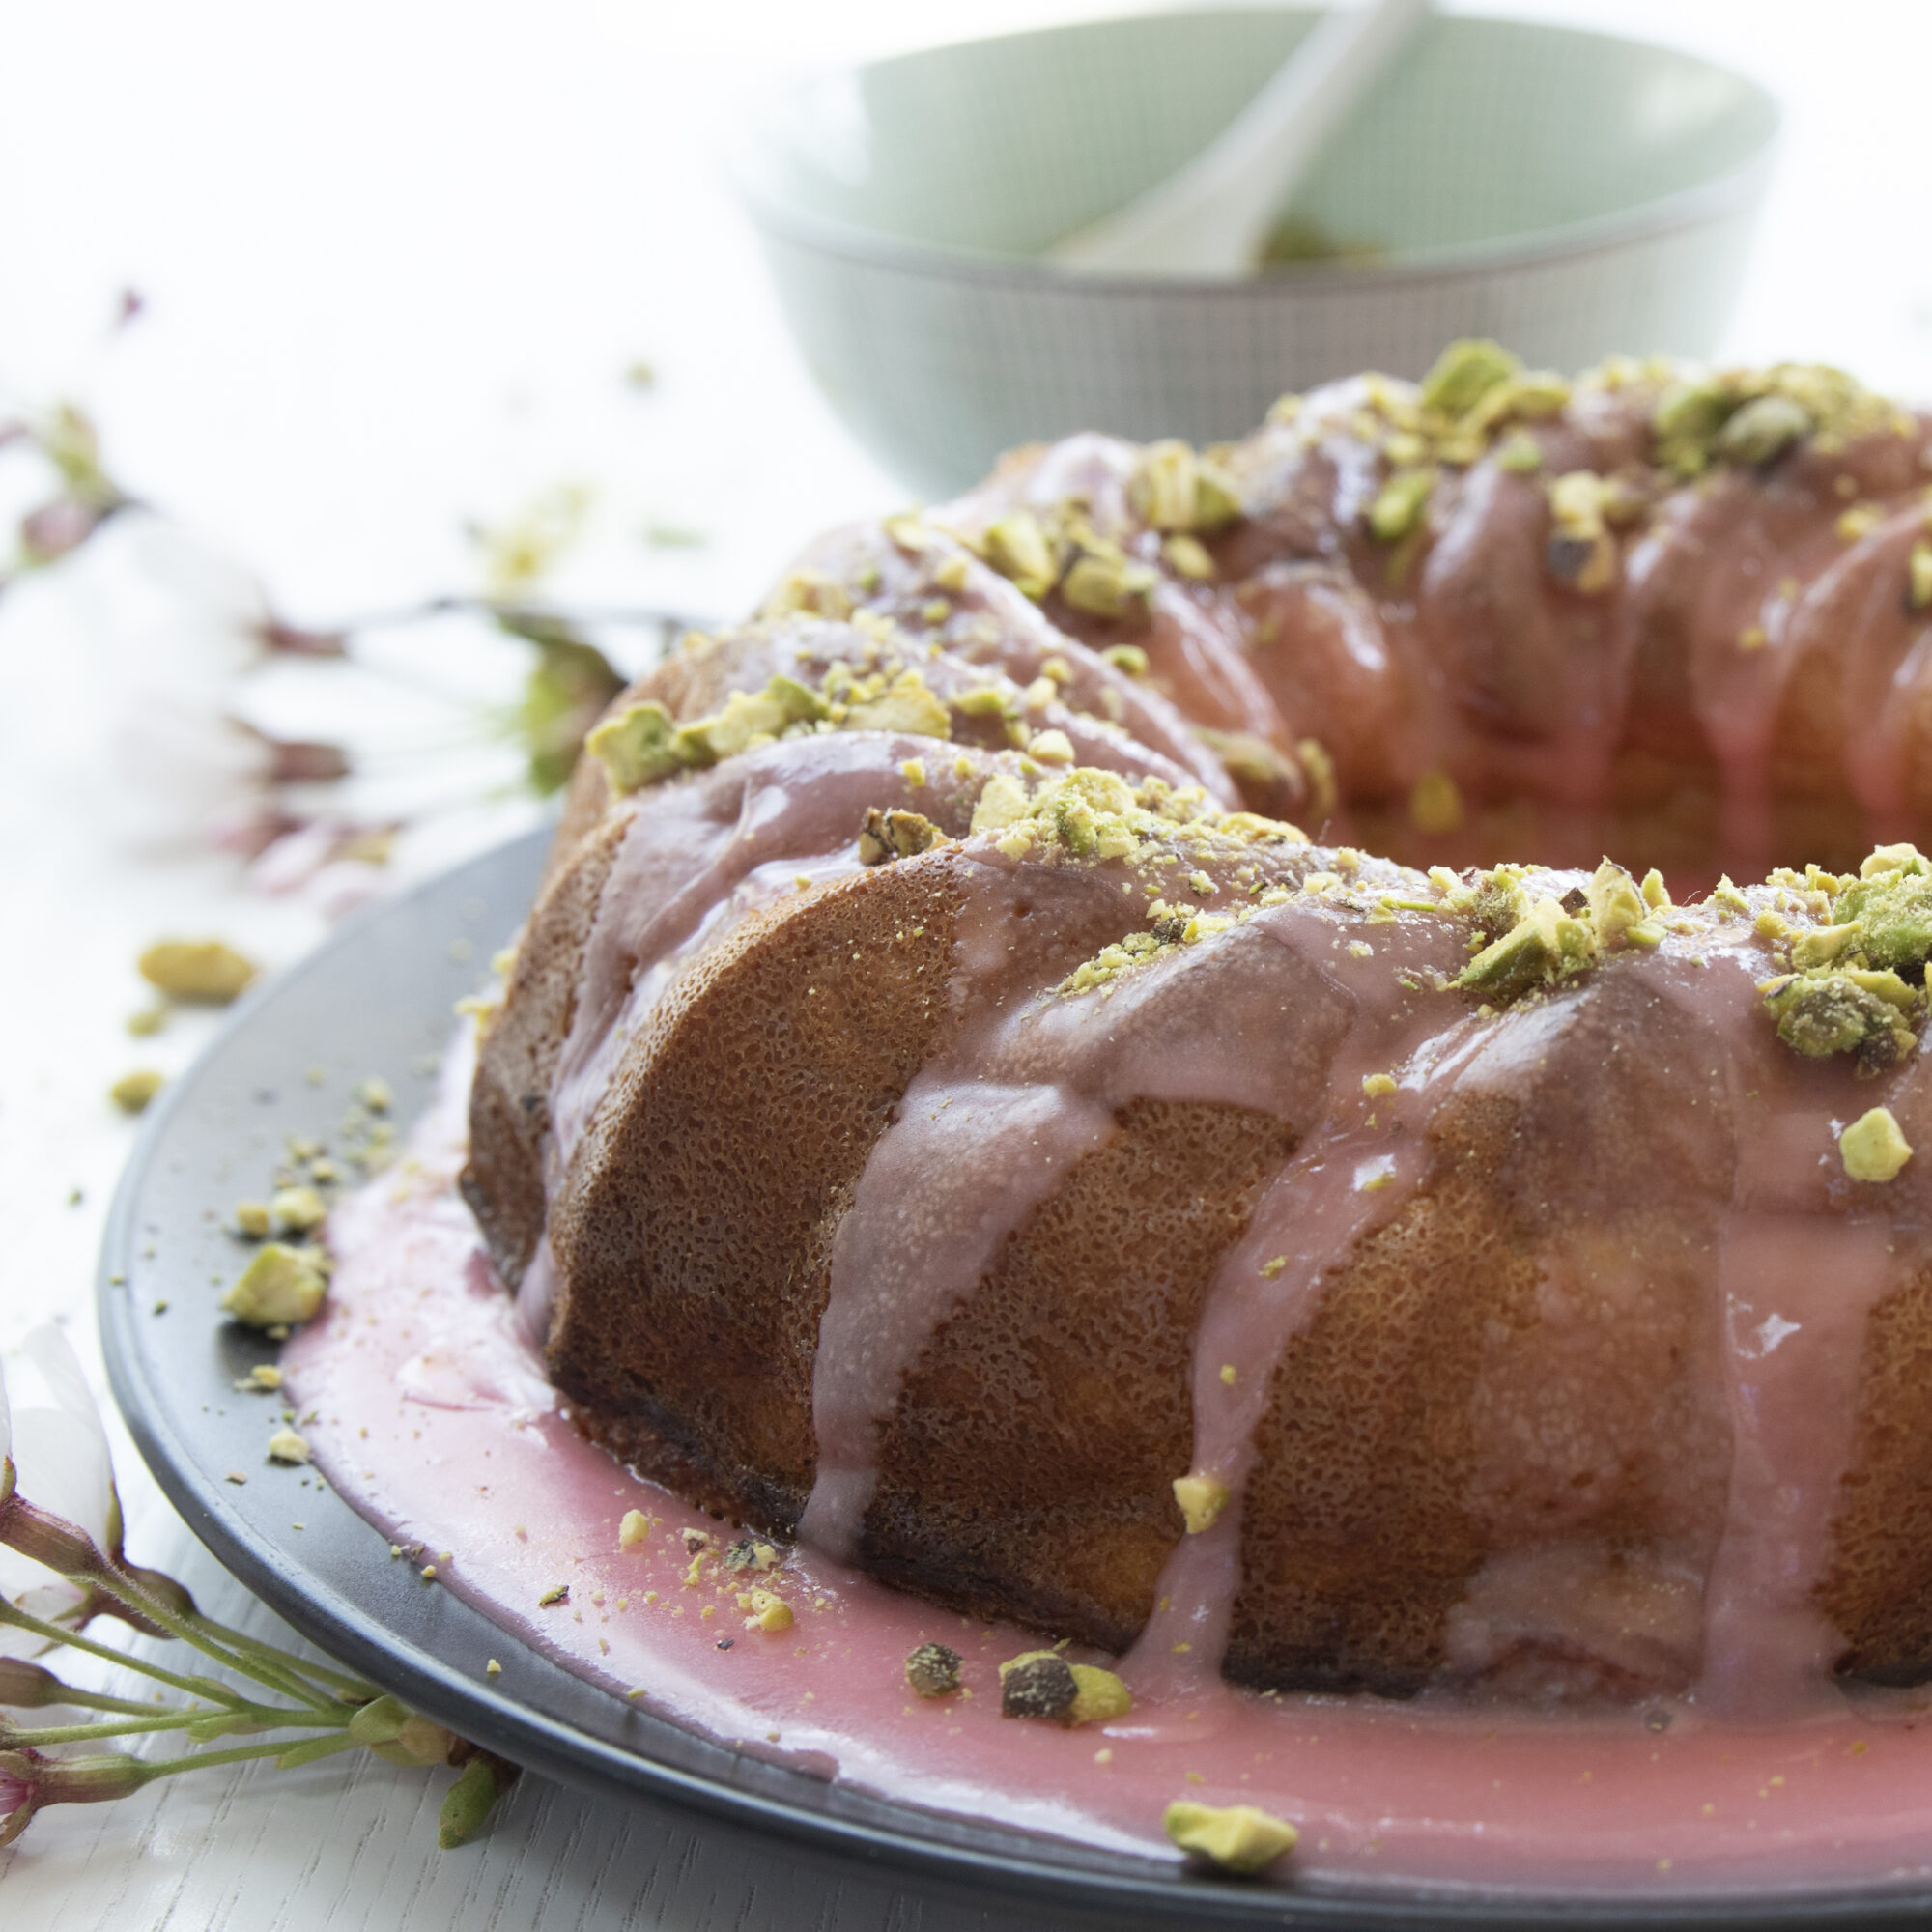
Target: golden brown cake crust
1027, 1470
1511, 1301
1499, 1432
693, 1238
509, 1099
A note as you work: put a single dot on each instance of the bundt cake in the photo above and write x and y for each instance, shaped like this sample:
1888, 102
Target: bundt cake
941, 1108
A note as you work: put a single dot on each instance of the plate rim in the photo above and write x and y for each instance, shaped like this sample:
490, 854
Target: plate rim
274, 1571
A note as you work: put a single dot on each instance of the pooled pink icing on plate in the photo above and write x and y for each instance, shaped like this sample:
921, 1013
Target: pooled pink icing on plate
433, 1419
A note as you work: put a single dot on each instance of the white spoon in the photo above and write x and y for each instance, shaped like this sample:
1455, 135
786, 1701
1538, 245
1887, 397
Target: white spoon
1210, 218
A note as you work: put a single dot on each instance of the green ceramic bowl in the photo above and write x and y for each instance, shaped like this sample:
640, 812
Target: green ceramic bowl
1570, 193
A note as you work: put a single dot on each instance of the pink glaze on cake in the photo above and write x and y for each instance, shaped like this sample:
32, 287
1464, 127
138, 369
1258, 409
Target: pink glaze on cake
433, 1418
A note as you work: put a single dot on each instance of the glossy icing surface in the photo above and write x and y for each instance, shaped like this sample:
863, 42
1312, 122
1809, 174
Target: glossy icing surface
1556, 1360
434, 1419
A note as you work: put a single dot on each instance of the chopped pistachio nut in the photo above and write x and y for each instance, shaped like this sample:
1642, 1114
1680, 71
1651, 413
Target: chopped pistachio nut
895, 834
1694, 417
1655, 894
280, 1285
1248, 759
1543, 945
1051, 748
749, 717
1188, 556
909, 531
1823, 944
751, 1553
1883, 859
1400, 504
1582, 550
809, 591
634, 1530
1099, 1696
637, 747
953, 574
1860, 520
149, 1021
262, 1379
132, 1092
1173, 488
1107, 584
1003, 801
1464, 373
1892, 903
207, 970
766, 1610
286, 1446
1536, 395
1834, 1012
297, 1210
1918, 578
1616, 902
1039, 1684
1128, 658
1495, 900
982, 700
1017, 548
1042, 1684
558, 1593
1237, 1837
1377, 1086
1763, 429
642, 743
1872, 1147
1435, 804
932, 1670
1317, 767
1520, 453
1202, 1499
906, 704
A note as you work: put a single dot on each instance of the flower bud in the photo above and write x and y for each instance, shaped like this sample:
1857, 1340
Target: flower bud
29, 1779
465, 1809
401, 1736
378, 1720
26, 1687
47, 1539
90, 1781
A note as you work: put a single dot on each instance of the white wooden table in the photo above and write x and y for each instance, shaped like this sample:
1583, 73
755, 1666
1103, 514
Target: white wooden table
397, 259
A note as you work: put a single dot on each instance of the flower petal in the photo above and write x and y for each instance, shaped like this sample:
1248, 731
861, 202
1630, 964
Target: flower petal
60, 1449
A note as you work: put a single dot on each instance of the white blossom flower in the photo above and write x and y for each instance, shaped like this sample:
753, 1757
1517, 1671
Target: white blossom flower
175, 629
51, 1433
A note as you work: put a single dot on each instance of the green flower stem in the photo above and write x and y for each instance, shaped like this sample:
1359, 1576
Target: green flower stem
263, 1717
195, 1686
99, 1700
311, 1749
354, 1688
279, 1677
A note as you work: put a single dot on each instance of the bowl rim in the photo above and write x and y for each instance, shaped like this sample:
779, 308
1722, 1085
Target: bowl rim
1731, 190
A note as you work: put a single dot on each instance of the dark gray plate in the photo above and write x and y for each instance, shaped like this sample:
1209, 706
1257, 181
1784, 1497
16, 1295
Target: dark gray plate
378, 998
